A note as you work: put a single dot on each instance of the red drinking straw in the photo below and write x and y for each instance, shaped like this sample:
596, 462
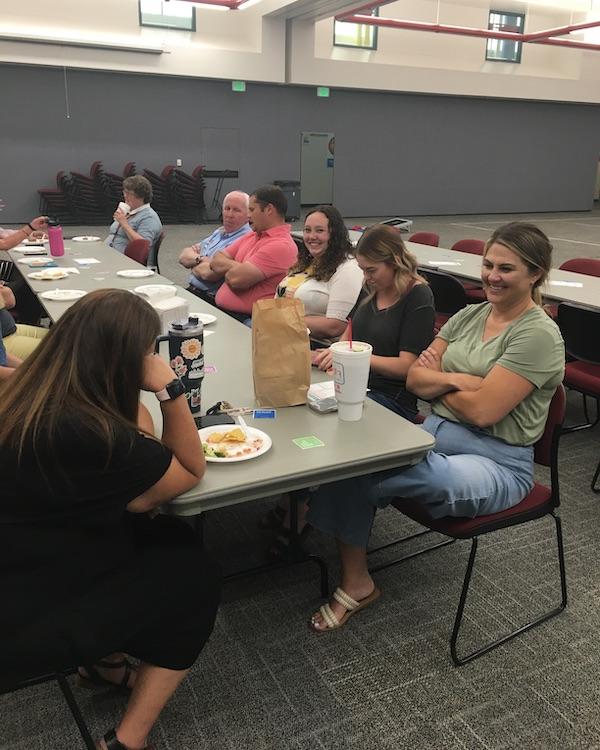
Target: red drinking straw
350, 332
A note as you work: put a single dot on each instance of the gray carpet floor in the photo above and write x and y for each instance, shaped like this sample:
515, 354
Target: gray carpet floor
265, 682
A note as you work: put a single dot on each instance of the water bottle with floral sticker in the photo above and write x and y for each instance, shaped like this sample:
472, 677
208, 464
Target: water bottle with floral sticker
186, 357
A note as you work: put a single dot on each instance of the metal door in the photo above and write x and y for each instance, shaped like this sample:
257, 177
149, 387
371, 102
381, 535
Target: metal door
316, 167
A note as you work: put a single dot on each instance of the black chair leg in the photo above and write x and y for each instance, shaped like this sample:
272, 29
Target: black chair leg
76, 712
459, 661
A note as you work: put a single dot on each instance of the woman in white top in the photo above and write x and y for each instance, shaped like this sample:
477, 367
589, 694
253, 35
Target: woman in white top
326, 276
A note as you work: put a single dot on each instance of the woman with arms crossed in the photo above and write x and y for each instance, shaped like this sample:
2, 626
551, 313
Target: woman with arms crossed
87, 575
490, 375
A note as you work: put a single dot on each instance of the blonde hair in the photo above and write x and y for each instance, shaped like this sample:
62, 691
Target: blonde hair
383, 244
531, 245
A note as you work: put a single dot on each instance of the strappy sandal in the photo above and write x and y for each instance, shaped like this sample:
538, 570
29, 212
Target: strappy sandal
350, 605
112, 743
93, 678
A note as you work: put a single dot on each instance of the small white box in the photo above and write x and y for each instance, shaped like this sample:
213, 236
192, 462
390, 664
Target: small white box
170, 309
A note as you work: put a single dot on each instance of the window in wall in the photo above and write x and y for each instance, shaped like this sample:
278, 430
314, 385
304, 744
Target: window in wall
167, 15
358, 35
504, 50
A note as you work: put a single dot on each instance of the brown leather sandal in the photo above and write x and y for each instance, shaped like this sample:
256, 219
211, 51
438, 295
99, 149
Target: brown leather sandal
93, 678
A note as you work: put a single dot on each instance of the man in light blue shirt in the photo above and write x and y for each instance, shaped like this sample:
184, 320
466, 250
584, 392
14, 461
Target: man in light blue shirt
235, 225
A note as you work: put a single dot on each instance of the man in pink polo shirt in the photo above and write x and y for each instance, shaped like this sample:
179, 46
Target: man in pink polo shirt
253, 266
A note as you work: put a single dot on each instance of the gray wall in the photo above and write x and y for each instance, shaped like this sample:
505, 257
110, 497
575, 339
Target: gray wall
396, 154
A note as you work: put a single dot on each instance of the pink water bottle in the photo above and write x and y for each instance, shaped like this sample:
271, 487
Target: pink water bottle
55, 239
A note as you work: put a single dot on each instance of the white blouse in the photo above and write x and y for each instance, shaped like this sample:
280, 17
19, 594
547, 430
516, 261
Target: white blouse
334, 298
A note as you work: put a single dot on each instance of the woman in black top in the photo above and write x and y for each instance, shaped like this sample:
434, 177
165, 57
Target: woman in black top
86, 575
396, 318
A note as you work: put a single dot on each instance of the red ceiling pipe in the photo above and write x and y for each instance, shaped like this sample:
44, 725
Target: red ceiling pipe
540, 37
435, 28
560, 31
231, 4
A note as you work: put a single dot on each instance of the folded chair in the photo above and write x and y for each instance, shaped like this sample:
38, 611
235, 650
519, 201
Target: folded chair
542, 501
61, 679
579, 328
138, 250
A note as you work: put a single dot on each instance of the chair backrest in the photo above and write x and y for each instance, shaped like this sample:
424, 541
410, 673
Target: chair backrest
579, 328
425, 238
588, 266
129, 169
448, 293
475, 247
138, 250
153, 262
543, 451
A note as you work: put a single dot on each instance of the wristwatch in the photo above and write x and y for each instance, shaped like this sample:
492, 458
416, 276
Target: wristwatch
171, 391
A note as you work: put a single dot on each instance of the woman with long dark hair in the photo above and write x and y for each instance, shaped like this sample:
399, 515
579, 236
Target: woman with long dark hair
87, 575
326, 277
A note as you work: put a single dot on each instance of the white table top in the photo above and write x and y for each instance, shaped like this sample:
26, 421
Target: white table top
562, 286
380, 440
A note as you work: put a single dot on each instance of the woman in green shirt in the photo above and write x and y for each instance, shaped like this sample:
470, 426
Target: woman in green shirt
490, 375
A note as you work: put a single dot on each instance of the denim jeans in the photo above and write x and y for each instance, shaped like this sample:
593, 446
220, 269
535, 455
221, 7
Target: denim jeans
470, 473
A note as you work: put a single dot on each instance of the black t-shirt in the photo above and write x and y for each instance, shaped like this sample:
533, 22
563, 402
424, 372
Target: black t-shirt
60, 530
406, 326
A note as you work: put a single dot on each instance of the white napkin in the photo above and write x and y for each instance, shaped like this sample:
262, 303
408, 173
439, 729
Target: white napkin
86, 261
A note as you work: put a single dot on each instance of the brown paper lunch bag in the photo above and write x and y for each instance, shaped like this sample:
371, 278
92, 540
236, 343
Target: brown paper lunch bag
280, 352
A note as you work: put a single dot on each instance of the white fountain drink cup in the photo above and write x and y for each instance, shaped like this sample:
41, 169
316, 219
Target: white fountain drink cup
350, 376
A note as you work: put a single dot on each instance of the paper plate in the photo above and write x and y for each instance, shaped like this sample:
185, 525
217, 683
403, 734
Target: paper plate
32, 243
33, 262
166, 290
136, 273
251, 433
63, 295
86, 238
206, 318
48, 274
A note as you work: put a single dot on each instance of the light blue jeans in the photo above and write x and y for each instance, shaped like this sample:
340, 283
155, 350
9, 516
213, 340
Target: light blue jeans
470, 473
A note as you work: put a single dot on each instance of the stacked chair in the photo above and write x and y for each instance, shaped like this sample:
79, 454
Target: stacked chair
55, 201
91, 199
88, 198
113, 184
188, 194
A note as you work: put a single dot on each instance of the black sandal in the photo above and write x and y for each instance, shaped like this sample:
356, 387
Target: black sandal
112, 743
94, 679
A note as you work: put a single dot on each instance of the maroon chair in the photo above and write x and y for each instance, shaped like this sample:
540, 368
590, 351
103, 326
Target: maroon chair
587, 266
425, 238
475, 247
138, 250
449, 295
579, 328
542, 501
